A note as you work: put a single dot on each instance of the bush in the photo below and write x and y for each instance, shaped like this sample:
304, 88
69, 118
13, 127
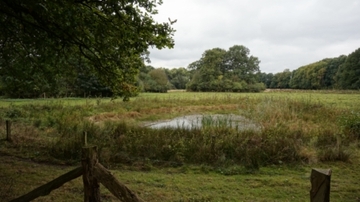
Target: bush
12, 113
257, 87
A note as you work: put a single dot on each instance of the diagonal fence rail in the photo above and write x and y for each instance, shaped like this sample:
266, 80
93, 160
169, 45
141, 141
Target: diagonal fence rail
48, 187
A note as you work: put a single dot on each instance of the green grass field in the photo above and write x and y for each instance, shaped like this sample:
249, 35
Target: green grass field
301, 130
274, 183
346, 99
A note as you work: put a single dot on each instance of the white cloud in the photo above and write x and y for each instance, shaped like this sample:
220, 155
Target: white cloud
283, 34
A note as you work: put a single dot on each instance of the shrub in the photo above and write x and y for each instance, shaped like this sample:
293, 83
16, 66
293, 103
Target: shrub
12, 113
256, 87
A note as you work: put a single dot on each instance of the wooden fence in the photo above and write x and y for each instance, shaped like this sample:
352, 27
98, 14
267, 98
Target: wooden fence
92, 173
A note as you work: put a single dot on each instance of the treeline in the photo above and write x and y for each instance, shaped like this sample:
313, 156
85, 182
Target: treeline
234, 70
152, 79
342, 72
231, 70
219, 70
22, 81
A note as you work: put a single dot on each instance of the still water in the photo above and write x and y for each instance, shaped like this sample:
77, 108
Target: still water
215, 120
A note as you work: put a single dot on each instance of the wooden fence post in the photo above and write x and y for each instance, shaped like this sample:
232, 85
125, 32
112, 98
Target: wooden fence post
93, 173
91, 184
84, 138
320, 185
8, 131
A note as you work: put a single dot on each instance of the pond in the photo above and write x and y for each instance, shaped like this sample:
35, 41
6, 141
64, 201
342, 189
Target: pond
200, 121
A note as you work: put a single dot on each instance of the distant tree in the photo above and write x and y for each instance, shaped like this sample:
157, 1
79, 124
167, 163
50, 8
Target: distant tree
348, 75
221, 70
266, 78
239, 65
284, 79
144, 81
281, 79
342, 72
331, 70
274, 82
178, 77
208, 70
158, 82
318, 75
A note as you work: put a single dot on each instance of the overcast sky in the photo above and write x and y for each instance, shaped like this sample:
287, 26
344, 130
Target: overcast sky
283, 34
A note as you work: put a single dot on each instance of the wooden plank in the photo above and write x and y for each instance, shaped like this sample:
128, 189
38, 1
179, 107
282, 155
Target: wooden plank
320, 185
114, 186
48, 187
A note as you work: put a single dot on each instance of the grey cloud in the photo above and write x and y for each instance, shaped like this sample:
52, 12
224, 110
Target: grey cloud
281, 33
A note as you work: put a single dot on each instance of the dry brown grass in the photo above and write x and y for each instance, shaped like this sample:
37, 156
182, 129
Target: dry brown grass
168, 112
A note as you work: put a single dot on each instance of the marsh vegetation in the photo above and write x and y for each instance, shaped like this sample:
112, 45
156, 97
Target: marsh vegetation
298, 130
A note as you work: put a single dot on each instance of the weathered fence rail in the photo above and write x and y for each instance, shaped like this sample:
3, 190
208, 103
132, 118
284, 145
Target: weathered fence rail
48, 187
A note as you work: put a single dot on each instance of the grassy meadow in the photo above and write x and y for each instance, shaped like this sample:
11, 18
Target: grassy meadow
300, 130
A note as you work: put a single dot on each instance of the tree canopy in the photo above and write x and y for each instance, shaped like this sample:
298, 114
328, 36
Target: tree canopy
329, 73
153, 80
281, 79
51, 38
178, 77
348, 75
220, 70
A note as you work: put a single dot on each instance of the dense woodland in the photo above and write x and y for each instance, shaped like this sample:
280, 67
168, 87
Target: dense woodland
99, 48
217, 70
235, 71
342, 72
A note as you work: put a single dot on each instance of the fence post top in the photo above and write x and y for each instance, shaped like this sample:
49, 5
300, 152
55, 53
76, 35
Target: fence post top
323, 171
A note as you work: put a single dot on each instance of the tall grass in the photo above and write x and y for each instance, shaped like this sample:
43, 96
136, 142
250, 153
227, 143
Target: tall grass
292, 131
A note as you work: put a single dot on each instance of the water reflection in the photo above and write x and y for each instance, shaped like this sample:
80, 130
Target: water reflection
199, 121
